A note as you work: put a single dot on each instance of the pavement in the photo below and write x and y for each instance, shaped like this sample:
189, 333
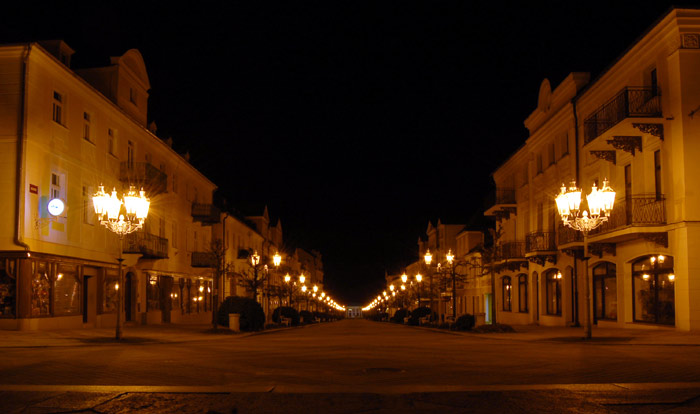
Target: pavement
203, 332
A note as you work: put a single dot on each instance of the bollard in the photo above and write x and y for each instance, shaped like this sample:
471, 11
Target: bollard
234, 322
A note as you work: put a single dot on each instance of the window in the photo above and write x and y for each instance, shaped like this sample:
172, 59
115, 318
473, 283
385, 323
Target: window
86, 127
8, 287
111, 141
506, 290
539, 163
110, 300
132, 96
153, 293
551, 154
657, 174
56, 185
41, 290
174, 235
526, 175
564, 142
553, 291
605, 291
654, 82
522, 293
653, 287
130, 154
67, 291
175, 183
58, 101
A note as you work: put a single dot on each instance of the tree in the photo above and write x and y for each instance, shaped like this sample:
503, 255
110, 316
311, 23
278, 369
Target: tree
254, 277
490, 255
221, 269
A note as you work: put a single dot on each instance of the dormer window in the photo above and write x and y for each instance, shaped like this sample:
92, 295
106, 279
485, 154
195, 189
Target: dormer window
132, 96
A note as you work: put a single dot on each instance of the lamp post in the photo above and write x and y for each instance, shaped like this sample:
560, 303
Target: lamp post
428, 259
450, 262
600, 205
419, 279
276, 261
108, 209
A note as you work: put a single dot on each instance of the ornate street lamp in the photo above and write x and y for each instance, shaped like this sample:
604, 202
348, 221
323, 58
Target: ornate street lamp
108, 209
600, 205
419, 279
428, 257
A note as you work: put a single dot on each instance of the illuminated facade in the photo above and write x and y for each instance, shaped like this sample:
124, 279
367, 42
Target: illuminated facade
634, 124
62, 134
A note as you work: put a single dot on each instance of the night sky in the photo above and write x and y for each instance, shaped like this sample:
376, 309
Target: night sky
355, 122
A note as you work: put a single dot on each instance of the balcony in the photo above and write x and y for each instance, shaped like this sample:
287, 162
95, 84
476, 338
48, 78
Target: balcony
146, 244
203, 259
511, 250
566, 235
540, 247
631, 102
206, 213
500, 203
143, 174
634, 211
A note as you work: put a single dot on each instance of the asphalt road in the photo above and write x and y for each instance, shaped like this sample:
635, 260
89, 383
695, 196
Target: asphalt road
351, 366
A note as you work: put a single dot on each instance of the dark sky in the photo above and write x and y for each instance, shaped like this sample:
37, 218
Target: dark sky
356, 122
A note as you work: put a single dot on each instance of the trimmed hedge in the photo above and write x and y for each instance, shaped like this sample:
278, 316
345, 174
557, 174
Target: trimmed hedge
287, 312
252, 314
465, 322
307, 317
418, 313
399, 315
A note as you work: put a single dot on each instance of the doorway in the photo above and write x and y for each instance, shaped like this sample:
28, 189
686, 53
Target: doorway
128, 297
166, 299
89, 296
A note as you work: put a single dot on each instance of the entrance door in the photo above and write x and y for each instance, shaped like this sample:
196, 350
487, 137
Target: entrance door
89, 296
166, 300
128, 288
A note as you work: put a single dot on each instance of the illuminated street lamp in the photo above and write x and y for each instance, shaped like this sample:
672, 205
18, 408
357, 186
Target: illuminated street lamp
428, 257
419, 279
277, 260
600, 205
108, 209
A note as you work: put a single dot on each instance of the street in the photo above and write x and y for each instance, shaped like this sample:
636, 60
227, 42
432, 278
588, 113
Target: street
350, 366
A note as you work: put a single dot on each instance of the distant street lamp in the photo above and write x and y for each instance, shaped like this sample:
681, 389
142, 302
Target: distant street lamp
428, 259
108, 209
419, 279
600, 205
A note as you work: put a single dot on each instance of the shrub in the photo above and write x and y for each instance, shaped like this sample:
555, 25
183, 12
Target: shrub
465, 322
307, 317
399, 315
287, 312
418, 313
252, 314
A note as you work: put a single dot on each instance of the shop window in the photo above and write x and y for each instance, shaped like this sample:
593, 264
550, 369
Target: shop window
67, 291
153, 293
8, 288
111, 298
41, 290
653, 283
506, 292
175, 295
553, 291
605, 291
522, 293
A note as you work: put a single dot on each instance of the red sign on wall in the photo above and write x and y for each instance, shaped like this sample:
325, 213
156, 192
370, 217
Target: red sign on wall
33, 189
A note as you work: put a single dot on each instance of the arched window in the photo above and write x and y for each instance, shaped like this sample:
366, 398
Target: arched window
522, 293
507, 288
553, 291
605, 291
653, 286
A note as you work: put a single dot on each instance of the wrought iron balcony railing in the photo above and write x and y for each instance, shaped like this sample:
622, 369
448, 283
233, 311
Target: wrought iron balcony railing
144, 174
636, 210
203, 259
206, 213
630, 102
566, 235
149, 245
540, 241
511, 250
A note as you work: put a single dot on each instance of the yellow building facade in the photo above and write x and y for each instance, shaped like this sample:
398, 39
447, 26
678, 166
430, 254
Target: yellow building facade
62, 134
634, 125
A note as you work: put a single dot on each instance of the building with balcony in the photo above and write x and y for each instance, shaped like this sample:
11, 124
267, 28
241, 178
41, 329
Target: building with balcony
634, 125
64, 132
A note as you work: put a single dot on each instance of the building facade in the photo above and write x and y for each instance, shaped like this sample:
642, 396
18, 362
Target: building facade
63, 133
633, 125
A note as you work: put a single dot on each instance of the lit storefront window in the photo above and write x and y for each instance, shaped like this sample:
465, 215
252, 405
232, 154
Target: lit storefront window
41, 290
67, 291
153, 292
522, 293
653, 283
8, 288
110, 299
507, 298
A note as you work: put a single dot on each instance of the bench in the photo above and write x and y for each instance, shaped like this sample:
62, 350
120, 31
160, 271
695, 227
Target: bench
285, 321
424, 320
449, 318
